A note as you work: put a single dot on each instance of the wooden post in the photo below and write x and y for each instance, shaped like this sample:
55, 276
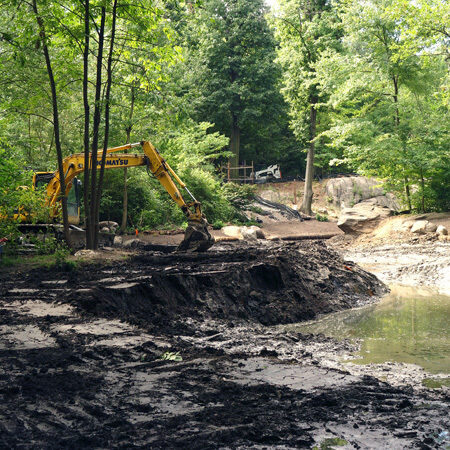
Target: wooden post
253, 173
228, 171
245, 171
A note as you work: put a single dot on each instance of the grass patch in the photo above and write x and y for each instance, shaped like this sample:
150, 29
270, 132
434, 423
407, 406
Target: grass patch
436, 383
331, 443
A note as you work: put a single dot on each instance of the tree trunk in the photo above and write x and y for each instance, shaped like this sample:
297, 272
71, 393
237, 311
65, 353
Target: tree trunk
106, 136
123, 226
86, 124
397, 125
93, 225
309, 175
422, 183
235, 144
51, 78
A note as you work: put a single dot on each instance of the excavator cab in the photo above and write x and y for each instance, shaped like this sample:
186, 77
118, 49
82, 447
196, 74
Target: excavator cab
42, 179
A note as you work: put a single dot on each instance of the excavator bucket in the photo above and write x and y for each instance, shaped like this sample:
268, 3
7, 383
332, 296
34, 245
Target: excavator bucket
196, 238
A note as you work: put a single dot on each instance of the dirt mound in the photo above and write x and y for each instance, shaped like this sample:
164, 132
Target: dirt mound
279, 283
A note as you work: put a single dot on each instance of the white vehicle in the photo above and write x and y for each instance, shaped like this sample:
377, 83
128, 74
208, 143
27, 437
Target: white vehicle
271, 173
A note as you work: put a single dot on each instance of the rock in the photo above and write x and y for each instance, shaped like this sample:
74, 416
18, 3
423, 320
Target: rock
348, 191
248, 234
441, 230
118, 240
430, 227
132, 243
232, 231
259, 233
406, 225
105, 230
419, 227
108, 223
86, 254
363, 217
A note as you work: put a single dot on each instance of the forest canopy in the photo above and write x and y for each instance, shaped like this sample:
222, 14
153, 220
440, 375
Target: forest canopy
317, 86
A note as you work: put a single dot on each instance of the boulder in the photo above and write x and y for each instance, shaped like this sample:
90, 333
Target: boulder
419, 227
248, 234
430, 227
108, 223
259, 233
232, 231
132, 243
441, 230
105, 230
363, 217
118, 240
348, 191
407, 224
86, 253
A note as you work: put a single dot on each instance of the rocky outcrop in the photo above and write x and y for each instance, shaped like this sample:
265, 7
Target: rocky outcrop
362, 201
363, 217
347, 192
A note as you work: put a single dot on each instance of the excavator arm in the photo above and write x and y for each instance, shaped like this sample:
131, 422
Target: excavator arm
197, 236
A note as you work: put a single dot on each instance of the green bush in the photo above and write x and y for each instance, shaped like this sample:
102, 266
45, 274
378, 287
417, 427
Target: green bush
189, 152
321, 218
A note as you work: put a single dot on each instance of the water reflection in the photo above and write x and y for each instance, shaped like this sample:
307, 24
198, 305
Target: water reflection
409, 325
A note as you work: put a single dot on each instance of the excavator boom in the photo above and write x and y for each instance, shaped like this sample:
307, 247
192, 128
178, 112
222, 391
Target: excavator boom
197, 236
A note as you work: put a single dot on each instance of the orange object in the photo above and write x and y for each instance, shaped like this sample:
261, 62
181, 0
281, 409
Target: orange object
137, 232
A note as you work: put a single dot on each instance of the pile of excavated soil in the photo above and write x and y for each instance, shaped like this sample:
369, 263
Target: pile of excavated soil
270, 284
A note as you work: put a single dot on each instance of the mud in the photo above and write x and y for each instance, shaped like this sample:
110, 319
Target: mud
88, 373
423, 264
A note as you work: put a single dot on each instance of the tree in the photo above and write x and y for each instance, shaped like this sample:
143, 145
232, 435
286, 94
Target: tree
231, 78
305, 29
387, 100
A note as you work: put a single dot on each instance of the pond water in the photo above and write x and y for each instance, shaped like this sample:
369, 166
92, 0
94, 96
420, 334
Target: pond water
410, 325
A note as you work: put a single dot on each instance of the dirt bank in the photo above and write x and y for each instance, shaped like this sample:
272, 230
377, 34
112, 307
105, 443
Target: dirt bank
75, 373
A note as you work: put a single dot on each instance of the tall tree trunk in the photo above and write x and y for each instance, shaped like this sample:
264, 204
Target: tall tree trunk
93, 226
123, 225
309, 175
86, 124
107, 108
235, 140
397, 125
51, 78
422, 183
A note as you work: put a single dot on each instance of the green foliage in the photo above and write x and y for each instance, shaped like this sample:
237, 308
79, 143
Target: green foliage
389, 114
218, 224
331, 443
171, 356
230, 78
321, 218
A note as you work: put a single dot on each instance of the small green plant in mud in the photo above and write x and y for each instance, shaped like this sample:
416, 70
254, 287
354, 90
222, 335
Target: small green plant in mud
331, 443
435, 383
321, 218
171, 356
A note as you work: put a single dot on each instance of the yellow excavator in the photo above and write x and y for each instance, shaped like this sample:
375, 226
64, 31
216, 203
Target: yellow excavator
197, 236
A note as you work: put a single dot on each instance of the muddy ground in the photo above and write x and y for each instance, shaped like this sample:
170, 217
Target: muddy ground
82, 352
